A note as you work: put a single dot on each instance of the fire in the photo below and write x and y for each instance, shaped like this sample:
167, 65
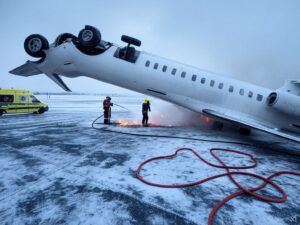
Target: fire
124, 123
205, 119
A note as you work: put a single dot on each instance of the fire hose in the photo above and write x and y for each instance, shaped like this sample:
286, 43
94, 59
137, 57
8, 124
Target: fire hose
242, 190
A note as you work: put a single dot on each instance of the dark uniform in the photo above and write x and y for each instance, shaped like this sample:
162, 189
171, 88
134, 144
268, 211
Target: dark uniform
107, 110
145, 109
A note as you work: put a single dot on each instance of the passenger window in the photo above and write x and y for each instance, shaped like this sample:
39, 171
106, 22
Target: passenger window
202, 80
147, 63
242, 91
6, 98
183, 74
221, 85
174, 71
259, 98
155, 66
194, 77
212, 83
250, 94
164, 69
231, 88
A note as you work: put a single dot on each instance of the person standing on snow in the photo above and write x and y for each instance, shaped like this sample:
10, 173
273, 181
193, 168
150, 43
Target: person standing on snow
107, 109
145, 109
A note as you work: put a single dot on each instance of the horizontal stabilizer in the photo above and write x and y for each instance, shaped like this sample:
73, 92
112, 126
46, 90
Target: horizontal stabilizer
249, 122
56, 78
27, 69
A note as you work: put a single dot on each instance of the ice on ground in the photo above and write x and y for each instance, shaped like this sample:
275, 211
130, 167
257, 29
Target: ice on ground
56, 169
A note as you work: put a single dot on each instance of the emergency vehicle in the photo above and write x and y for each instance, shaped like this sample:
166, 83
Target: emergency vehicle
20, 101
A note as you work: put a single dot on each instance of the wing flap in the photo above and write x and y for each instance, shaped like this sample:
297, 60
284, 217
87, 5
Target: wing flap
248, 122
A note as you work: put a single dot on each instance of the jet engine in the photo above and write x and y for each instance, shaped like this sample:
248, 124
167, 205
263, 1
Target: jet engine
284, 102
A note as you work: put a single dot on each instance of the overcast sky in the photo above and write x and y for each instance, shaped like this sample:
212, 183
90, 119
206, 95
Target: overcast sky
251, 40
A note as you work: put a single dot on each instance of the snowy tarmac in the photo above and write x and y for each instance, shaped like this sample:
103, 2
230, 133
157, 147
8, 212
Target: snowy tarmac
56, 169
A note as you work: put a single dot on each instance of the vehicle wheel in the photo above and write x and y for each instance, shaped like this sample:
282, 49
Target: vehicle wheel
63, 37
1, 112
35, 45
89, 37
244, 131
41, 110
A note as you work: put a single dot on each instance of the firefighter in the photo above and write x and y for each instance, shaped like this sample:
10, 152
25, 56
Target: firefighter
145, 109
107, 109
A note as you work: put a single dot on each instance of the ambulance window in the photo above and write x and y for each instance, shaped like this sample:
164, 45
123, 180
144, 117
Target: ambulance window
174, 71
34, 99
259, 98
242, 91
221, 85
23, 99
155, 66
212, 83
231, 88
183, 74
202, 80
6, 98
164, 69
194, 77
147, 63
250, 94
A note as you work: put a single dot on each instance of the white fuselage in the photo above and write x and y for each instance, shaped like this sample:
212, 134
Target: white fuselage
147, 76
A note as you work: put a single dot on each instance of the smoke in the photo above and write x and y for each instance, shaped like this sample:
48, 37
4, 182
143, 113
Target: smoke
167, 114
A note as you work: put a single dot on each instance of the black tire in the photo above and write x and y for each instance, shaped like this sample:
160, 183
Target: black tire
1, 112
41, 110
131, 40
63, 37
35, 45
244, 131
89, 37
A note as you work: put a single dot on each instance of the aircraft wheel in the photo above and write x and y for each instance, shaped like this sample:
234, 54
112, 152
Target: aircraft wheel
89, 37
63, 37
244, 131
35, 45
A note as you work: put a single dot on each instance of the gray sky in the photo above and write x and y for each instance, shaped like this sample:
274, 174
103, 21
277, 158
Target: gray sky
252, 40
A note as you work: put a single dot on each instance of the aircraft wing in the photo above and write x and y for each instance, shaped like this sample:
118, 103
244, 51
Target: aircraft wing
251, 123
30, 69
27, 69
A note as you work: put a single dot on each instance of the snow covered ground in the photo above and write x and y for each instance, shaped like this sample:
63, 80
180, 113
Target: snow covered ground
56, 169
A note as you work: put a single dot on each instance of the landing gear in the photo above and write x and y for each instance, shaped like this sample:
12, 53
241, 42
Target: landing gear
89, 37
35, 45
244, 131
63, 37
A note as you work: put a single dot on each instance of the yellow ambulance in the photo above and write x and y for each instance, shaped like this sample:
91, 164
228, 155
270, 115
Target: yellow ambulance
20, 101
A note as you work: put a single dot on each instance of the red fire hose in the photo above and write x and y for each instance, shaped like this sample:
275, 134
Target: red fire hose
222, 165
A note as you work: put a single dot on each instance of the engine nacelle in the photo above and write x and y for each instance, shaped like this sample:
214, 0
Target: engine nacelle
285, 102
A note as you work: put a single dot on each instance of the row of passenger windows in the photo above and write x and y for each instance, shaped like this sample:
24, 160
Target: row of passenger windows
250, 94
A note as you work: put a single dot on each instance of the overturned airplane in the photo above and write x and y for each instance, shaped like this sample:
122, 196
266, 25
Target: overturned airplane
223, 99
